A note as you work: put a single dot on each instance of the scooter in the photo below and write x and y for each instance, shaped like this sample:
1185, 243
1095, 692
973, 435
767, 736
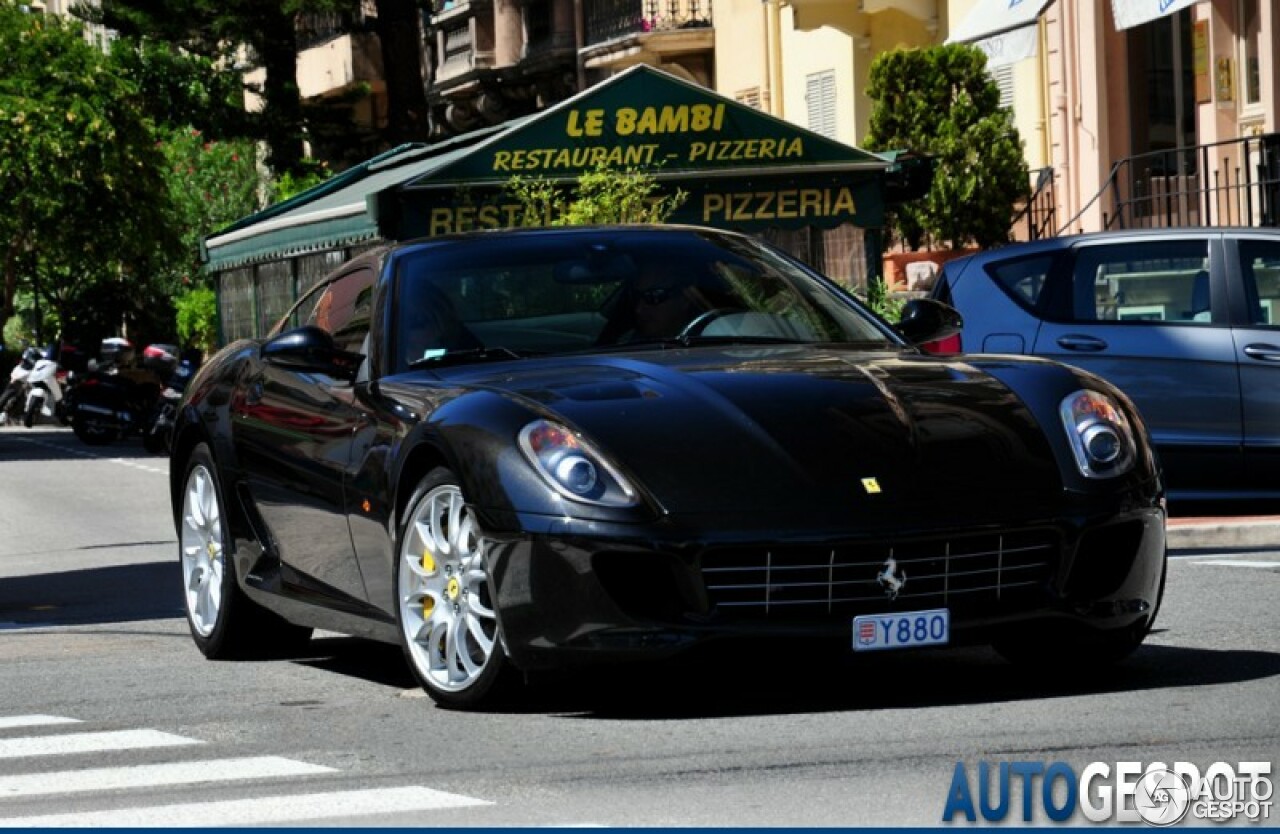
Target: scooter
44, 392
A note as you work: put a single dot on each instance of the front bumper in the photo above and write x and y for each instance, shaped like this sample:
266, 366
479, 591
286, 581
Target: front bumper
579, 592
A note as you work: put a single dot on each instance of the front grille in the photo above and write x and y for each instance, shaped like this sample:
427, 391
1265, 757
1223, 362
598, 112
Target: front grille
970, 572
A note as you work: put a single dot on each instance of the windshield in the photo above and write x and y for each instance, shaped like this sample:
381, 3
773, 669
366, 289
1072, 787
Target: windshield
567, 291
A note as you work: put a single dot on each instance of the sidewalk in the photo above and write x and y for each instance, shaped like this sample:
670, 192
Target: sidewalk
1224, 532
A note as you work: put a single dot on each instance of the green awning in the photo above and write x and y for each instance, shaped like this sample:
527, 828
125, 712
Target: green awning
740, 167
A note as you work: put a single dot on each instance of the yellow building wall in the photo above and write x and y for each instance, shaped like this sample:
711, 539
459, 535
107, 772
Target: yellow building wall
839, 37
741, 59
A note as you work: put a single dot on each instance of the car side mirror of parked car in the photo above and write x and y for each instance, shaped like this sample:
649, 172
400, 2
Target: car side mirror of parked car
926, 320
311, 349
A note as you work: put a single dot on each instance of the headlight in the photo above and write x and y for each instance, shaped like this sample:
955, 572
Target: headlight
573, 467
1099, 433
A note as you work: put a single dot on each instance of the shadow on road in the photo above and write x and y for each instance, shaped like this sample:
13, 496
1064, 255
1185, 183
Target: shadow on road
768, 683
54, 443
116, 594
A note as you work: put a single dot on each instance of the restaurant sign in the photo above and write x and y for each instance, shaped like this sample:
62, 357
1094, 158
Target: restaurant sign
738, 166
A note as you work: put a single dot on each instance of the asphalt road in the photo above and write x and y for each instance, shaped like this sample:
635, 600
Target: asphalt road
109, 716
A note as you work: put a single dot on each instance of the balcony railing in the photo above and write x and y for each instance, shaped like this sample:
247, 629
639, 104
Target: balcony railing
1231, 183
610, 19
315, 28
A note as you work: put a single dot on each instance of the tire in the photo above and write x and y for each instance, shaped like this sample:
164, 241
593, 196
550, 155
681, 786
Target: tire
29, 416
225, 624
444, 608
89, 434
1076, 651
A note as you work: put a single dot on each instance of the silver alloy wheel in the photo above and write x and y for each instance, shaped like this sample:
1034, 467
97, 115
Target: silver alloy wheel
202, 553
445, 607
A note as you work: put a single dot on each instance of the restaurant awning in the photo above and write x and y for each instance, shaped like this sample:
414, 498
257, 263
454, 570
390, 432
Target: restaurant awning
1004, 29
740, 168
1130, 13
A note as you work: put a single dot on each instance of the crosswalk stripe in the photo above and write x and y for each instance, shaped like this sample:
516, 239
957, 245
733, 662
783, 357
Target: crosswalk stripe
155, 775
260, 811
13, 748
9, 722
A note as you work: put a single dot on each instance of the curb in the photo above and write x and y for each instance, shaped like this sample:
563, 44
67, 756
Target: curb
1223, 533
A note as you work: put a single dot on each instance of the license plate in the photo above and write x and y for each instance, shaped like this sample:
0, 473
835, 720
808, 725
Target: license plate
908, 629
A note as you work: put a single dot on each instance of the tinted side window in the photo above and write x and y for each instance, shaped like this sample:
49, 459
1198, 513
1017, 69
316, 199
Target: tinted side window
344, 308
1162, 280
1024, 279
1260, 266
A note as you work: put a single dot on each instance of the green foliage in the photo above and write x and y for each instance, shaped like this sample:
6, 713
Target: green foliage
601, 196
880, 302
290, 185
211, 185
941, 100
80, 173
179, 87
197, 311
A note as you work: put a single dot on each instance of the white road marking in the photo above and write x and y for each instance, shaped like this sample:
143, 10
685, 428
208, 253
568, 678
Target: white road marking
154, 775
8, 722
86, 454
14, 748
1237, 563
260, 811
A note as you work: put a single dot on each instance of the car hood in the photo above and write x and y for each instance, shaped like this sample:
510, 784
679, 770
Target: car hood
824, 432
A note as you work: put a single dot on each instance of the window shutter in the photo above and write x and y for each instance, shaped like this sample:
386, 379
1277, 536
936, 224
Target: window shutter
820, 98
1003, 77
749, 97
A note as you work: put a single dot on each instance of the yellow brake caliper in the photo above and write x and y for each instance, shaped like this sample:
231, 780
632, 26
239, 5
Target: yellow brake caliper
428, 567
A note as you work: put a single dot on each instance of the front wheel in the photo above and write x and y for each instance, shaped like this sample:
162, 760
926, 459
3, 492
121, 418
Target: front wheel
444, 598
33, 408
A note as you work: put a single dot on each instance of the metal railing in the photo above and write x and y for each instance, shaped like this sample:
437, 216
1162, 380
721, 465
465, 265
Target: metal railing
1235, 182
1036, 220
609, 19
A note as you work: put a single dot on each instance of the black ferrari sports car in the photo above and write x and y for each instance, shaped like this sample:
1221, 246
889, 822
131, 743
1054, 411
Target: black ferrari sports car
524, 449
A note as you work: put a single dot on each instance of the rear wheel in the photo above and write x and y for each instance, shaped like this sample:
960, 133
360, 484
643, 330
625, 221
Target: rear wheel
444, 601
224, 622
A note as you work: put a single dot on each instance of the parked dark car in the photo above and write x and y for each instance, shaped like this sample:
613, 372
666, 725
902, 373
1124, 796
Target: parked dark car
524, 449
1184, 321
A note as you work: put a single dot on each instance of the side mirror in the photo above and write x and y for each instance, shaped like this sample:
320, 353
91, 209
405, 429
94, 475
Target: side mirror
926, 320
311, 350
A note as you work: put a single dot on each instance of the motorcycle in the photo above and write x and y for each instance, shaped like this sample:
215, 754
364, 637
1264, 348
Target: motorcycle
114, 400
155, 438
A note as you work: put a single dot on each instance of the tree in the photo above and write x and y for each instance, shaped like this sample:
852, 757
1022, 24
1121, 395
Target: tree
941, 100
603, 195
80, 174
218, 29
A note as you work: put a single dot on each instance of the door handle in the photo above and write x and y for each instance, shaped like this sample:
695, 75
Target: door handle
1267, 353
1076, 341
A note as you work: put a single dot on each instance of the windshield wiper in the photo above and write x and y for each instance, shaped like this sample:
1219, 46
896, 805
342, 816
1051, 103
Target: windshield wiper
479, 354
